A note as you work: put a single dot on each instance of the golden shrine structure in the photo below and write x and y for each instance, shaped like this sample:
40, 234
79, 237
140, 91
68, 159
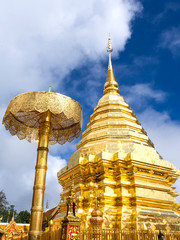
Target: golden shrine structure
12, 230
117, 170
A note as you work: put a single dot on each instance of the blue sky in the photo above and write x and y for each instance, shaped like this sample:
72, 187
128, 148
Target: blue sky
63, 45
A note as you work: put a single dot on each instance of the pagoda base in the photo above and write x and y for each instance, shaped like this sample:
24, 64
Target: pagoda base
133, 190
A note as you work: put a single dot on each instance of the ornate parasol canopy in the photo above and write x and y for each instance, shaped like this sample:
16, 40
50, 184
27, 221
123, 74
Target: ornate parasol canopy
22, 117
46, 117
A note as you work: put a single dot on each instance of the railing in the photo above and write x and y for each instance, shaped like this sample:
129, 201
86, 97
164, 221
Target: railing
117, 234
51, 234
105, 234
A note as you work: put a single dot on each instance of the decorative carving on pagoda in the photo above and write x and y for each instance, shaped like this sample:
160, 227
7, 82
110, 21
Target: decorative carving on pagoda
10, 230
1, 233
96, 219
71, 223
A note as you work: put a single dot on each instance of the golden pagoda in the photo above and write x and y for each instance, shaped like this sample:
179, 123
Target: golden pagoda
117, 168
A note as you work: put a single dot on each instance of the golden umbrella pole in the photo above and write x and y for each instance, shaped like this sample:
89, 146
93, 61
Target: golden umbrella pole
48, 118
40, 176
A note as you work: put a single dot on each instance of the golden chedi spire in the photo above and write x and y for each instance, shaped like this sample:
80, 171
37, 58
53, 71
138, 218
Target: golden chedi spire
113, 125
111, 85
116, 161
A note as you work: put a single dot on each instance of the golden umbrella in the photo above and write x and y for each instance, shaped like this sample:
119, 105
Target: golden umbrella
48, 118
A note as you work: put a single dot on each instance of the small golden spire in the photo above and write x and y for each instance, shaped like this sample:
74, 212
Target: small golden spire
12, 217
111, 84
47, 205
8, 214
50, 88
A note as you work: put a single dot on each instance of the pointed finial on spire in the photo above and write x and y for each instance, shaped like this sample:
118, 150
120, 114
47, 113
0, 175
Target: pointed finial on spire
111, 84
109, 46
109, 50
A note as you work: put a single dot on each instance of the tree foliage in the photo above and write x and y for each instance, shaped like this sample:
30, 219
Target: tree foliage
23, 217
3, 206
3, 201
7, 210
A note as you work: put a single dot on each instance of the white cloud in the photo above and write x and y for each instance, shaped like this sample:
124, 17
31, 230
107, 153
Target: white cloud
138, 65
170, 39
139, 94
41, 42
17, 167
53, 188
169, 6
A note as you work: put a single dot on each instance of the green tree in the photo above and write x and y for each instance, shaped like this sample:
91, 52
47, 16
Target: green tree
3, 201
3, 206
23, 217
6, 210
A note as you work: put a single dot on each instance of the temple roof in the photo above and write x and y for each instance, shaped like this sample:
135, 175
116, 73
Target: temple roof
113, 124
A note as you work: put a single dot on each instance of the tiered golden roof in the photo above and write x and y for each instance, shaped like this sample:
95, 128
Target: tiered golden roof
135, 185
113, 123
